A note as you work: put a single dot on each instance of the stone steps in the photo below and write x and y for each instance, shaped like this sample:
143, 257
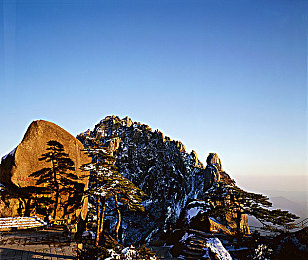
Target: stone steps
194, 246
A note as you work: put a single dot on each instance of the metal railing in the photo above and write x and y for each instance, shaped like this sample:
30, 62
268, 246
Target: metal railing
268, 231
299, 225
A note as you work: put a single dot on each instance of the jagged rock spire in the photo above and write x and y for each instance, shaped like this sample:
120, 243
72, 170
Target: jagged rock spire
213, 170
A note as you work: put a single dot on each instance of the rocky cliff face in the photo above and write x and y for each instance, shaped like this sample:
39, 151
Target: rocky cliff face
161, 167
16, 167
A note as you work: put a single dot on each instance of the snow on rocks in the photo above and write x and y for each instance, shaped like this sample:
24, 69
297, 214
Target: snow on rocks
215, 246
113, 255
88, 234
194, 208
185, 237
196, 244
193, 212
260, 252
128, 253
159, 166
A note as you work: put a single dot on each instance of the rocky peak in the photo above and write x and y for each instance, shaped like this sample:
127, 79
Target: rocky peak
158, 165
195, 159
161, 167
213, 159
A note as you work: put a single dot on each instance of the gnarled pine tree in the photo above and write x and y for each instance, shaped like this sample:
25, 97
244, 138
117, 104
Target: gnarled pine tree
229, 198
105, 183
59, 178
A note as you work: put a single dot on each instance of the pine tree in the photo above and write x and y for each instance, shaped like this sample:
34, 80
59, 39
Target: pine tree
100, 171
257, 205
105, 183
59, 178
127, 194
226, 197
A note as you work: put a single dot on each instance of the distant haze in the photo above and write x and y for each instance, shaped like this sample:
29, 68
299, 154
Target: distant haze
285, 192
274, 183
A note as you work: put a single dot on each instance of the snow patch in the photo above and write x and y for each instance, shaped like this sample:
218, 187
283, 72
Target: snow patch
185, 236
215, 245
88, 234
193, 212
260, 252
128, 253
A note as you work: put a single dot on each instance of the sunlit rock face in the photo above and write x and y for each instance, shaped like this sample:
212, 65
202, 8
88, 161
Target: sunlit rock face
17, 166
212, 170
195, 215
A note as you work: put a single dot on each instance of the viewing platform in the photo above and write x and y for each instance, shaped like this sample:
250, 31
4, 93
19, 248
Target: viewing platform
46, 243
17, 223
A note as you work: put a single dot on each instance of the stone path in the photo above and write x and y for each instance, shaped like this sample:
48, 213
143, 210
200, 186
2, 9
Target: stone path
49, 243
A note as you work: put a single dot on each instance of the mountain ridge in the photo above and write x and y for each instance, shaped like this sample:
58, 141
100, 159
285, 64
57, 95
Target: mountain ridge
160, 167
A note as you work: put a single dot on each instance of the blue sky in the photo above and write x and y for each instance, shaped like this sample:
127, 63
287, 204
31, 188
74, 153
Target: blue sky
221, 76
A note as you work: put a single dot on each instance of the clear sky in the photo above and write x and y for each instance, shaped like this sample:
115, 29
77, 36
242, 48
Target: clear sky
221, 76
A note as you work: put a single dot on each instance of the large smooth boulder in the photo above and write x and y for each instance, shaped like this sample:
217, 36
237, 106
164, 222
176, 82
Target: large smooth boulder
16, 167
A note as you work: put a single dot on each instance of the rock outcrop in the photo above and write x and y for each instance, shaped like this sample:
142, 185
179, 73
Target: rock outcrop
16, 167
159, 166
213, 170
195, 244
162, 168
